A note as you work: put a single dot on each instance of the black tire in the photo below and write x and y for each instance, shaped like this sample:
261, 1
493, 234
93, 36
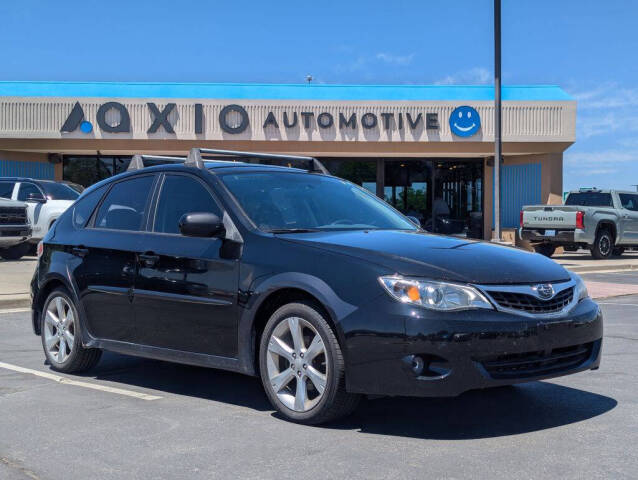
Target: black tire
79, 359
618, 251
16, 252
603, 246
335, 402
546, 249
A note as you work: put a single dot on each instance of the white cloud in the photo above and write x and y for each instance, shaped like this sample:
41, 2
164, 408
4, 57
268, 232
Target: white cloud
395, 59
473, 76
590, 160
590, 125
607, 95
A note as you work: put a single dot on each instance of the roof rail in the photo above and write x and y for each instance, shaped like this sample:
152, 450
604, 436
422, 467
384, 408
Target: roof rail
195, 155
138, 162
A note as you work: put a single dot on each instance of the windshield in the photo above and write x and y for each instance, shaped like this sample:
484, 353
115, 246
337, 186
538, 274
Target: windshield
59, 191
305, 202
589, 199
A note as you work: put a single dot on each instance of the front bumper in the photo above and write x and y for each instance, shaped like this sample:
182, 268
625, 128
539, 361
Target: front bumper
14, 234
450, 353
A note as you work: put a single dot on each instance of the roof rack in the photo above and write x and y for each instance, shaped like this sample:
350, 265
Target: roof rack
140, 161
314, 165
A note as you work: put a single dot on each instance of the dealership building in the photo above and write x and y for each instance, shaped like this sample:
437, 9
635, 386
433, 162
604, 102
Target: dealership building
428, 150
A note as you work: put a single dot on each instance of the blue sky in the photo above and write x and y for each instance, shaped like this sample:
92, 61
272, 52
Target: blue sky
587, 47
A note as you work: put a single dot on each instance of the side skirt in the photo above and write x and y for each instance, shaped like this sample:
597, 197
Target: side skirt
169, 355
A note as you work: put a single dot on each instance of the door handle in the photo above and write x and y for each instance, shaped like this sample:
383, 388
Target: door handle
149, 259
80, 251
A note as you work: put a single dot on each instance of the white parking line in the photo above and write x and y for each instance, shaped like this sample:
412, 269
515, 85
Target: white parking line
15, 310
622, 304
69, 381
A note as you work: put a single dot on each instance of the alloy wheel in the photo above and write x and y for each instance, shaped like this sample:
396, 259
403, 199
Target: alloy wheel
59, 329
297, 364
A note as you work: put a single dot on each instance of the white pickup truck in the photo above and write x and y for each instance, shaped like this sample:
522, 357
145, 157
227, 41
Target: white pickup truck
604, 221
46, 200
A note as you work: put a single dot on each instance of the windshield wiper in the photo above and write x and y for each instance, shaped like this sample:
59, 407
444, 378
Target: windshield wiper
293, 230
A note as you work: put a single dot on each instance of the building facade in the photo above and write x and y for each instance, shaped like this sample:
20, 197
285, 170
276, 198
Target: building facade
428, 150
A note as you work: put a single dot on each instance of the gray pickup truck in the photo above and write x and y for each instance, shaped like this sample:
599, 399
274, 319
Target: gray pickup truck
604, 221
15, 229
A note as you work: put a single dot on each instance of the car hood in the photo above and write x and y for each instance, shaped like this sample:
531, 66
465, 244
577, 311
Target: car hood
438, 257
5, 202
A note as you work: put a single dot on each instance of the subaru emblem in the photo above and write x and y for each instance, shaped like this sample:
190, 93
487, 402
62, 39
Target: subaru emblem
545, 290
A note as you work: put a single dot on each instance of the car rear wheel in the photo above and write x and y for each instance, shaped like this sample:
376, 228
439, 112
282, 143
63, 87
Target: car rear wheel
302, 367
603, 245
16, 252
546, 249
60, 336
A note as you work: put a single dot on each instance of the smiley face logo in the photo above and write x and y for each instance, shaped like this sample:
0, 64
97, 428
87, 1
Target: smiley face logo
465, 121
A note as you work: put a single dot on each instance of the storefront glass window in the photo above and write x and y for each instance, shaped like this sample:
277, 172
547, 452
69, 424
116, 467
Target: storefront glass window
87, 170
361, 172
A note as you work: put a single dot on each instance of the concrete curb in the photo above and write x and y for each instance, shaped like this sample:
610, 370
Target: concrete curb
602, 268
15, 301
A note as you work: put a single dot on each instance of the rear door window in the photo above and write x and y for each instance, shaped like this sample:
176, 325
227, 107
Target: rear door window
6, 189
126, 204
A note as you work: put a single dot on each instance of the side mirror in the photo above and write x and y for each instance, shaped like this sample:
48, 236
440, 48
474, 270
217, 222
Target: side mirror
414, 220
36, 197
201, 224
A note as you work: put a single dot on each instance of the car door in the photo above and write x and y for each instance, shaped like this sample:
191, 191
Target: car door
629, 203
107, 251
185, 292
34, 197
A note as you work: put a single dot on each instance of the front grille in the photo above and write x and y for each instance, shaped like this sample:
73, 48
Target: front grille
13, 216
538, 363
531, 304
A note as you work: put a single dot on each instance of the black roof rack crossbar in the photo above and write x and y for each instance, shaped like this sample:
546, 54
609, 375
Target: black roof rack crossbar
195, 155
138, 161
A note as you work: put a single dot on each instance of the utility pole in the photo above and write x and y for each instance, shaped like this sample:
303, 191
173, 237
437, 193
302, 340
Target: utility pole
496, 236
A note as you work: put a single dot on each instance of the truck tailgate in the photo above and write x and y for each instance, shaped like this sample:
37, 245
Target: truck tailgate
544, 216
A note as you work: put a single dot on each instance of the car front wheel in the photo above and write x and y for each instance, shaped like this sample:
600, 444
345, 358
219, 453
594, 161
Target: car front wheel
60, 336
302, 367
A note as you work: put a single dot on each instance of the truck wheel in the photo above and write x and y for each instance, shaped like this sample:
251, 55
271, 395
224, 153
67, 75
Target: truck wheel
618, 251
603, 246
16, 252
546, 249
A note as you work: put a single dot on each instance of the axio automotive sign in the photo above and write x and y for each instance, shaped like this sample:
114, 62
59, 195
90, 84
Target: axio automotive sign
234, 119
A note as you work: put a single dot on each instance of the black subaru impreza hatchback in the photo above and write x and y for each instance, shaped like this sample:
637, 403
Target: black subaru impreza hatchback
301, 278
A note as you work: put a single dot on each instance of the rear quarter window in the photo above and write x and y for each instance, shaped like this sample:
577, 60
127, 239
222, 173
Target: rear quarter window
83, 208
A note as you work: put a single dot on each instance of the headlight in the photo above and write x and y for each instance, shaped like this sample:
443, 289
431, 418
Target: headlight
580, 290
441, 296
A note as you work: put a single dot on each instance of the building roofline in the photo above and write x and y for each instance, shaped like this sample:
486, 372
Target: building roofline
268, 91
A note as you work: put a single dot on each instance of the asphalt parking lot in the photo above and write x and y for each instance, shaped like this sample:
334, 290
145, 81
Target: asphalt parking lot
173, 421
